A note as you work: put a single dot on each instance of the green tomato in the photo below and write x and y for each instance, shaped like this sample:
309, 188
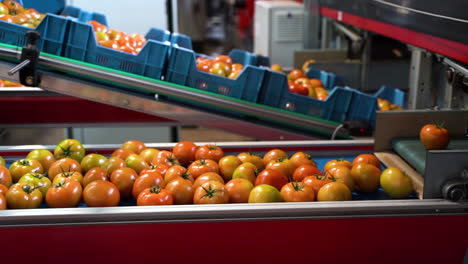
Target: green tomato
2, 161
246, 170
396, 183
3, 9
92, 161
37, 180
102, 36
265, 193
70, 148
45, 157
136, 162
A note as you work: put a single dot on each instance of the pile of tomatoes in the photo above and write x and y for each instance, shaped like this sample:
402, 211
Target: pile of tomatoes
221, 65
116, 39
187, 174
13, 12
385, 105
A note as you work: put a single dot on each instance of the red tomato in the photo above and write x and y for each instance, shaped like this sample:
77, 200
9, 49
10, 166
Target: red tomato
223, 58
434, 137
70, 148
5, 176
206, 177
124, 178
227, 165
63, 165
97, 26
23, 196
136, 162
122, 153
45, 157
165, 157
334, 191
366, 176
159, 168
68, 175
336, 162
316, 182
94, 174
66, 193
366, 158
23, 166
112, 164
211, 192
246, 171
342, 174
265, 193
199, 167
273, 155
239, 190
184, 151
284, 165
92, 161
155, 196
182, 191
3, 202
275, 178
147, 180
209, 151
297, 88
301, 158
148, 154
305, 170
101, 193
254, 159
175, 171
296, 74
3, 189
297, 192
134, 145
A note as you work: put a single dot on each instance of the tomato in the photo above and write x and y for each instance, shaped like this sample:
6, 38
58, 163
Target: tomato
275, 178
176, 171
45, 157
37, 180
237, 67
92, 161
159, 168
301, 158
284, 165
101, 36
336, 162
182, 191
295, 74
316, 182
2, 161
112, 164
227, 165
206, 177
134, 145
70, 148
342, 174
6, 18
199, 167
165, 157
211, 192
94, 174
366, 176
148, 154
434, 136
23, 166
3, 189
264, 193
184, 151
98, 27
154, 196
3, 202
23, 196
204, 66
276, 68
254, 159
303, 171
136, 162
73, 175
13, 6
5, 176
247, 171
66, 193
122, 153
297, 192
63, 165
239, 190
220, 68
274, 154
297, 88
209, 151
3, 9
147, 180
223, 58
334, 191
101, 193
396, 183
367, 158
124, 178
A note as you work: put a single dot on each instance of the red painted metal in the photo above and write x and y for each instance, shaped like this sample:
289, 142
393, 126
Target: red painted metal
445, 47
435, 239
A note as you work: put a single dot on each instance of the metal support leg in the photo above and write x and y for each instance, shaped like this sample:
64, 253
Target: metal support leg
312, 25
420, 83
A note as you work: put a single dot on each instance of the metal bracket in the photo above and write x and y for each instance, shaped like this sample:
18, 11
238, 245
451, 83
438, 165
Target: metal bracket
456, 90
357, 41
29, 58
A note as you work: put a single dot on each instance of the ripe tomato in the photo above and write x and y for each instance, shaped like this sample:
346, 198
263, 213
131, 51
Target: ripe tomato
23, 196
148, 154
265, 193
199, 167
13, 7
334, 191
136, 162
316, 182
182, 191
209, 151
3, 189
342, 174
98, 27
159, 168
284, 165
366, 176
301, 158
175, 171
3, 202
124, 178
92, 161
184, 151
254, 159
147, 180
227, 165
211, 192
94, 174
303, 171
223, 58
37, 180
220, 68
23, 166
134, 145
66, 193
122, 153
297, 192
73, 175
274, 154
101, 193
112, 164
295, 74
155, 196
70, 148
367, 158
434, 137
246, 171
5, 176
336, 162
63, 165
396, 183
275, 178
297, 88
206, 177
165, 157
6, 18
45, 157
239, 190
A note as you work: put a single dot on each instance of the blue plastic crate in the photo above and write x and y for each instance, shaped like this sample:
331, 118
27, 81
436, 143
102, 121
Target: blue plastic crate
150, 61
363, 107
44, 6
329, 79
395, 96
182, 69
84, 16
52, 28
